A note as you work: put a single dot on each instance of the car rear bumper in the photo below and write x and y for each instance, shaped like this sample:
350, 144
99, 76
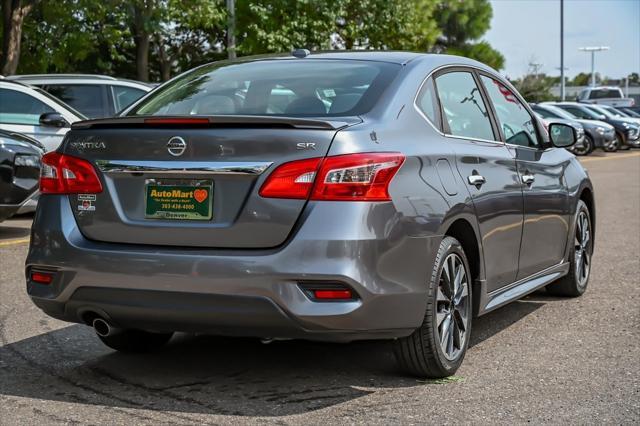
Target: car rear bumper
240, 292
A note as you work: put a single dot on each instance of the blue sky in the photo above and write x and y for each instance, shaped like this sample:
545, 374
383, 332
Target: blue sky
522, 29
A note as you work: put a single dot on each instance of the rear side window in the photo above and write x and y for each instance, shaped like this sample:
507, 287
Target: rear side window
514, 119
463, 107
428, 104
124, 96
310, 87
605, 93
20, 108
86, 98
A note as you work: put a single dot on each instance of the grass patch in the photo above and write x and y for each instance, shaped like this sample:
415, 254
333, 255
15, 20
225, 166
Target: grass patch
451, 379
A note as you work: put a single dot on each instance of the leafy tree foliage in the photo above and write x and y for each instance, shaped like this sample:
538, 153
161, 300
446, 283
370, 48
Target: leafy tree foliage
462, 23
156, 39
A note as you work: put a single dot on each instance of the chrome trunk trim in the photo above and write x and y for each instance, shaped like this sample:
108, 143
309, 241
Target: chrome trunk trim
183, 167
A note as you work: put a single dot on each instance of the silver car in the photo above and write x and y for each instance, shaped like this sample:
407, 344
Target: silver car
335, 197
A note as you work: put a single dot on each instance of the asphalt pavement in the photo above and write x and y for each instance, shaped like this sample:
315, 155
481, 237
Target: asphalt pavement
539, 360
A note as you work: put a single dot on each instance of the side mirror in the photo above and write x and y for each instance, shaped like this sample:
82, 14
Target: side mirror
53, 119
602, 117
562, 135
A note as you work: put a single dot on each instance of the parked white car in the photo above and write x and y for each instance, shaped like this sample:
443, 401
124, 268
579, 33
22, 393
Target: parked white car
35, 113
96, 96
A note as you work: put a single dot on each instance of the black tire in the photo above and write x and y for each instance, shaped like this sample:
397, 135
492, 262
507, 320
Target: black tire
421, 354
135, 341
585, 148
575, 283
611, 146
621, 145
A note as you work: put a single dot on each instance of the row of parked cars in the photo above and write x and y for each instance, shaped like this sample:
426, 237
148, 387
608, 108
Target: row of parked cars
598, 126
36, 111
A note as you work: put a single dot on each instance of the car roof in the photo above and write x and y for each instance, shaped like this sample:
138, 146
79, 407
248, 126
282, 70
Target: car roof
77, 78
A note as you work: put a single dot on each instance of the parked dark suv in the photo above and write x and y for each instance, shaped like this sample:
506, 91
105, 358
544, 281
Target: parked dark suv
392, 196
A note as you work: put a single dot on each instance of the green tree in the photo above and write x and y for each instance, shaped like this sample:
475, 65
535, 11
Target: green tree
462, 24
534, 86
14, 13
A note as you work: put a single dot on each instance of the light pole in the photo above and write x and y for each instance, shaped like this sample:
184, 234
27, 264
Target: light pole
562, 50
593, 51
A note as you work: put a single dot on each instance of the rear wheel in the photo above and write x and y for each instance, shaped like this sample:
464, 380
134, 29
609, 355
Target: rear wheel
135, 341
436, 349
575, 282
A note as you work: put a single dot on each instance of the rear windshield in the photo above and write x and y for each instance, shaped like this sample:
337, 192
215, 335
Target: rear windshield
605, 93
311, 87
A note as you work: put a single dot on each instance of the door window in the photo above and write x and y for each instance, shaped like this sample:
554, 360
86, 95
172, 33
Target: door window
517, 124
125, 96
428, 104
20, 108
463, 107
86, 98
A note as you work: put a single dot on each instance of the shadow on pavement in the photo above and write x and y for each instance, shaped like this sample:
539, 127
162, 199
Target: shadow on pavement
211, 375
8, 232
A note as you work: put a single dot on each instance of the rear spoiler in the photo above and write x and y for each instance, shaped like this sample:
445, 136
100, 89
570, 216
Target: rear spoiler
228, 121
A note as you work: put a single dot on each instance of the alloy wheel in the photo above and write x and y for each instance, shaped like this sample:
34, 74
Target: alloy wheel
453, 307
583, 248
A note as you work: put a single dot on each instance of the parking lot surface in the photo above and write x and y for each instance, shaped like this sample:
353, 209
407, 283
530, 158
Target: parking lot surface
541, 359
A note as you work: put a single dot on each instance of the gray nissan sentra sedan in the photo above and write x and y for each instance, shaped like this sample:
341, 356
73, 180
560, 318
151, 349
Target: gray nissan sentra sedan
334, 196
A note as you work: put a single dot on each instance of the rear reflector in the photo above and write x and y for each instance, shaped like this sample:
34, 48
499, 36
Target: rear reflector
333, 294
351, 177
41, 277
64, 174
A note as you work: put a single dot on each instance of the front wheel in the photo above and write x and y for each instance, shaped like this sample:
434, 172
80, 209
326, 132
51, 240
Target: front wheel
620, 142
612, 145
574, 284
585, 148
436, 349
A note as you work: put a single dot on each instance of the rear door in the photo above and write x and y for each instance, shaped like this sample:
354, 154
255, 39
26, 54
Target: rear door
488, 168
541, 176
208, 177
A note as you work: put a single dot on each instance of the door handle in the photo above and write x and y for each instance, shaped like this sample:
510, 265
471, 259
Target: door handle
476, 180
528, 179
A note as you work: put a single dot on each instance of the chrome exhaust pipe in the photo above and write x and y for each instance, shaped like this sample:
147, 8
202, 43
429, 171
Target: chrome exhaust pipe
101, 327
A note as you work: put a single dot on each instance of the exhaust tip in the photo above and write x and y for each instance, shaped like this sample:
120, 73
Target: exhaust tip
101, 327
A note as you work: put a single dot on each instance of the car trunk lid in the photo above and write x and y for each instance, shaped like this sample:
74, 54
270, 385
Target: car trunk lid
192, 184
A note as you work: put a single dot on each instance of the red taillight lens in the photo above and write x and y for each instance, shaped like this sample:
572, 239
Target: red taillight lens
41, 278
357, 177
291, 180
64, 174
333, 294
351, 177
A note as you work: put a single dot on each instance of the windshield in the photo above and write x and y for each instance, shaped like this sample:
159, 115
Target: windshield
599, 110
615, 111
290, 87
559, 112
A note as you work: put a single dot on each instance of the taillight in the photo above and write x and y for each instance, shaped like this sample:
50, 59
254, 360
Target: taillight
291, 180
350, 177
64, 174
357, 177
